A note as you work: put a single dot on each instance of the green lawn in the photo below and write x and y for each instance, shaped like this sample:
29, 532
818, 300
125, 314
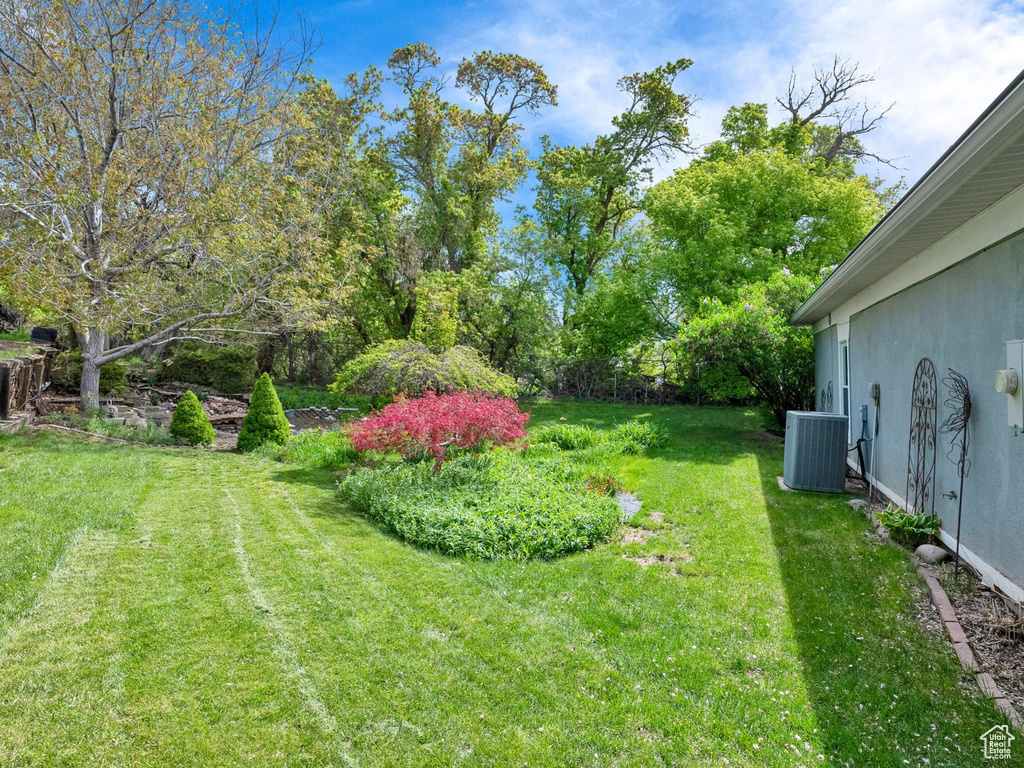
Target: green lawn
185, 608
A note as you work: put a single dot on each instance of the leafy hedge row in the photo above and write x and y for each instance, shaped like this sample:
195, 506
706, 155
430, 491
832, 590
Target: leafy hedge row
499, 505
229, 370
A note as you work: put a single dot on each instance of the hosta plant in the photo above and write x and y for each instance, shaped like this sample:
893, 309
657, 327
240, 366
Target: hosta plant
910, 530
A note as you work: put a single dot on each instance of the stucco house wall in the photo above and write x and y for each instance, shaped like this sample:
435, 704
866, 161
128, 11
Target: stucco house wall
960, 319
826, 369
941, 276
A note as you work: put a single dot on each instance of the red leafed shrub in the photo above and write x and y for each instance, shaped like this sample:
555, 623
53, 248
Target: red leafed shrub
430, 425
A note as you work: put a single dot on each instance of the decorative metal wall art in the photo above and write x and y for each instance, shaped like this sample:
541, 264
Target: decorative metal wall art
826, 399
958, 424
921, 448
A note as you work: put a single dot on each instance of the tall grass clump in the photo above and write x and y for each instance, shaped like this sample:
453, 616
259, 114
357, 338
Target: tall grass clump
317, 448
568, 437
635, 437
630, 438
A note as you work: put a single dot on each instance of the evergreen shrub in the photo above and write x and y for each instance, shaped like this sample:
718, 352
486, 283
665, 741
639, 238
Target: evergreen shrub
189, 422
265, 421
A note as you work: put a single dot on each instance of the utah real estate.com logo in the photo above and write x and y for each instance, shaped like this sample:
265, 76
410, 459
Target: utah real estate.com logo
997, 743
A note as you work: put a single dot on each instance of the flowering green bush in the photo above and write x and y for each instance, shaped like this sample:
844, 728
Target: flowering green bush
498, 505
396, 366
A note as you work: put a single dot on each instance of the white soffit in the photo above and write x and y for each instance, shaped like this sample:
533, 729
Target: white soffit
982, 167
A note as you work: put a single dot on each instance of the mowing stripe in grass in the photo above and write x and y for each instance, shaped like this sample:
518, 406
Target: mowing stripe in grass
589, 660
451, 619
283, 646
59, 665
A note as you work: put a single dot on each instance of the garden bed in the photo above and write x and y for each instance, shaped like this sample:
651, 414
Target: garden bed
995, 633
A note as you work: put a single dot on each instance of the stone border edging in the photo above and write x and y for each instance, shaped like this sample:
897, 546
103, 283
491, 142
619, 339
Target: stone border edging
986, 682
116, 440
957, 636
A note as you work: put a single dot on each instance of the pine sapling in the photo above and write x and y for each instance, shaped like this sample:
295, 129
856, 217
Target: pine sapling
189, 422
265, 421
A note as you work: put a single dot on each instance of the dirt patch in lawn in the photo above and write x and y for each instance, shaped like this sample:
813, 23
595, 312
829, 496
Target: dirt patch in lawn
638, 535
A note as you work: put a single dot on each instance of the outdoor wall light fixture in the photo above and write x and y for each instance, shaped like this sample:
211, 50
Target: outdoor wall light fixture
1008, 381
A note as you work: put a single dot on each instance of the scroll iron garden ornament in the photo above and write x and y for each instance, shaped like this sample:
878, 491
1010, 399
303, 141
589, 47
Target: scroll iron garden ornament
958, 424
921, 448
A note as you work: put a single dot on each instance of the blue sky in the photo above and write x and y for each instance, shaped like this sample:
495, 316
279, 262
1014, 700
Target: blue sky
939, 61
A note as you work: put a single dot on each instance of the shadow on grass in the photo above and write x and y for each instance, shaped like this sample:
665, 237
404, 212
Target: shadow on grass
883, 690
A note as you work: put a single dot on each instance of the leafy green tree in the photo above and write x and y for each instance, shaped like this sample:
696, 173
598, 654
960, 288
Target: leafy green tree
753, 333
436, 324
142, 170
739, 218
456, 162
588, 195
190, 423
265, 421
627, 310
507, 306
760, 199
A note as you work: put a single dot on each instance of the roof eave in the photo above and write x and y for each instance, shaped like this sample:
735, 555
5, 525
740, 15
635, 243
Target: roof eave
927, 192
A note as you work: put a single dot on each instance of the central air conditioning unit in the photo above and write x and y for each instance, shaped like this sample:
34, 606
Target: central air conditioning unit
815, 451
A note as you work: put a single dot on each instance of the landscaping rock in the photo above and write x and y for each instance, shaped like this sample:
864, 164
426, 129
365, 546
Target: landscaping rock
857, 503
134, 421
929, 553
629, 504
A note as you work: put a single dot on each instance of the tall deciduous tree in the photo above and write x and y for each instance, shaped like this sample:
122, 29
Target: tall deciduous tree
458, 162
764, 198
141, 160
587, 195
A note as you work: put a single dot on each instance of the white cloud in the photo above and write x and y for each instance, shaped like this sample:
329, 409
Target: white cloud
940, 61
